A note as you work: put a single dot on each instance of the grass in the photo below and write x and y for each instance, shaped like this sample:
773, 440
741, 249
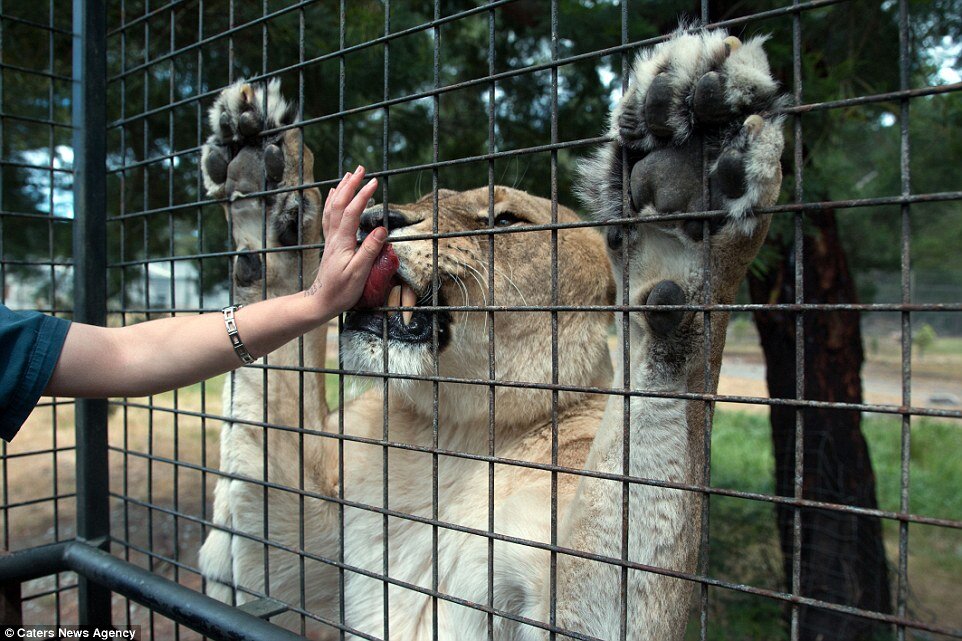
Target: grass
744, 541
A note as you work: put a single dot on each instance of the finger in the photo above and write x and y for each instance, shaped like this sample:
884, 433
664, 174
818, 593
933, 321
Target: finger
351, 218
343, 195
350, 188
367, 253
325, 217
328, 200
329, 205
335, 210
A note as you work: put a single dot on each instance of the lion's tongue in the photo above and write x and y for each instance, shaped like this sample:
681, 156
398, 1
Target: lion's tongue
379, 280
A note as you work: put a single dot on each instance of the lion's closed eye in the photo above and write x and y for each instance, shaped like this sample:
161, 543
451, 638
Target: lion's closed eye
505, 219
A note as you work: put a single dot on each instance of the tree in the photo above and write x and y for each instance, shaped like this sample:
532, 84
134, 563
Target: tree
842, 555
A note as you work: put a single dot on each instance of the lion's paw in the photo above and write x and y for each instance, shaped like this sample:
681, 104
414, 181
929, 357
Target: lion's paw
244, 156
697, 98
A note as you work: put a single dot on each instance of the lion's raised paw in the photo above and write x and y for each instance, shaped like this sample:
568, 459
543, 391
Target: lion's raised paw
698, 99
256, 161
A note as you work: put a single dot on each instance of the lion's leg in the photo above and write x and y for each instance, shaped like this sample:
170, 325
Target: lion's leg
698, 102
238, 160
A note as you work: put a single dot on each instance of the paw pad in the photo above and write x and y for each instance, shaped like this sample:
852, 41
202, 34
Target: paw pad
667, 292
698, 101
274, 163
240, 162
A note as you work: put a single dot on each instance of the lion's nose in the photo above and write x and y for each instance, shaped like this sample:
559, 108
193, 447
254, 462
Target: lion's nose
374, 218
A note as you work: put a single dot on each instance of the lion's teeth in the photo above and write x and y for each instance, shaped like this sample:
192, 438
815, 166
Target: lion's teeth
394, 298
408, 299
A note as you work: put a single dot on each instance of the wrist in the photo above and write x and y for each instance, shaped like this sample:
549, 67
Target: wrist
311, 308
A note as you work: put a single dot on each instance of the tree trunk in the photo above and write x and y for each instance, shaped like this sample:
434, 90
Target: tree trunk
842, 556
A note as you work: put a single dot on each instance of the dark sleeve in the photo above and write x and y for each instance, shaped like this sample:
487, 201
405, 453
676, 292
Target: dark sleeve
30, 344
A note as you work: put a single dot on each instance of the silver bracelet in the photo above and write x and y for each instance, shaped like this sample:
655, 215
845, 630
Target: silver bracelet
239, 348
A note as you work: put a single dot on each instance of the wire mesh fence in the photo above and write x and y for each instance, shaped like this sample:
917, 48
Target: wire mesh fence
36, 273
355, 494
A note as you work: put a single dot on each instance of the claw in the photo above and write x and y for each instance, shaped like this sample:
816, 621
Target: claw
754, 124
640, 192
226, 131
248, 93
732, 44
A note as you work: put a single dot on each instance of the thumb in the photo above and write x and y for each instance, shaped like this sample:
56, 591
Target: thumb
368, 252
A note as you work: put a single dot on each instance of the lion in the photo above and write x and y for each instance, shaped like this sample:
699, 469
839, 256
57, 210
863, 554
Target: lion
437, 504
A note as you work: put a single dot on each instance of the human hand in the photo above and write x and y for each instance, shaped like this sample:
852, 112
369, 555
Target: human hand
345, 266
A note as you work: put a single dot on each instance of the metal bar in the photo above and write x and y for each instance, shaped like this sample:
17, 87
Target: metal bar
35, 72
691, 396
35, 216
902, 563
39, 25
687, 576
243, 589
34, 120
301, 506
183, 605
767, 498
798, 245
623, 48
90, 301
301, 64
712, 307
150, 13
555, 365
802, 108
341, 492
198, 612
492, 355
33, 563
811, 207
435, 344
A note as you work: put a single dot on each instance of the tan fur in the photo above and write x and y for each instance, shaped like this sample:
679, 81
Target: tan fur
365, 500
522, 428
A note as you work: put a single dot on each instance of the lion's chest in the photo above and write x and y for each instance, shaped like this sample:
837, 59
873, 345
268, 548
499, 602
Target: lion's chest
409, 533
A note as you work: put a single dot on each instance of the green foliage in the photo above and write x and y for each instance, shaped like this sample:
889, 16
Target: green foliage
923, 338
849, 49
744, 541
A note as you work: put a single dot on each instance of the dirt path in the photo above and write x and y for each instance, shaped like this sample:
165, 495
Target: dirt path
744, 375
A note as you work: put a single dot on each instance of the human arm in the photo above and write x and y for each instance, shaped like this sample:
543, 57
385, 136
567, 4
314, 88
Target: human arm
164, 354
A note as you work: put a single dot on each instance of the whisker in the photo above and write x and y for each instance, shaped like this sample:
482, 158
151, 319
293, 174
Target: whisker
507, 279
477, 277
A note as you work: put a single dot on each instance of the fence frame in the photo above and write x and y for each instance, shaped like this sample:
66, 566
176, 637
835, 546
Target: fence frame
102, 574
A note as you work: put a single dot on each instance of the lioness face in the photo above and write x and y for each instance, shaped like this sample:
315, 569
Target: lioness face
522, 277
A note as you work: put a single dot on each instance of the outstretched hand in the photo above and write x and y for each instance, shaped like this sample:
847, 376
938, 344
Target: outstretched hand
345, 266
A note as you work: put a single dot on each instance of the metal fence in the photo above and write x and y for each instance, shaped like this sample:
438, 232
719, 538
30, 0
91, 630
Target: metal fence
147, 243
36, 272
